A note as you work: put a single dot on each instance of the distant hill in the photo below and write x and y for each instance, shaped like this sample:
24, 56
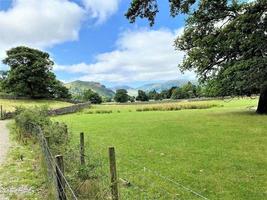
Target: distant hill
77, 87
126, 87
163, 86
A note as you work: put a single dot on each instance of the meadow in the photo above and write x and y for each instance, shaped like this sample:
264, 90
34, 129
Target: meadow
218, 152
11, 104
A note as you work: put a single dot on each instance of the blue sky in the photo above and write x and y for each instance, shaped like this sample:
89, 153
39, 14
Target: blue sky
91, 40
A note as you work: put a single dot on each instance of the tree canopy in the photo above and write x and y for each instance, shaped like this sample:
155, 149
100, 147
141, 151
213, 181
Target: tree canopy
31, 74
93, 97
121, 96
225, 42
142, 96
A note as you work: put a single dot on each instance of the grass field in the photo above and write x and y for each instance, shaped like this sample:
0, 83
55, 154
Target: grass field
220, 153
10, 104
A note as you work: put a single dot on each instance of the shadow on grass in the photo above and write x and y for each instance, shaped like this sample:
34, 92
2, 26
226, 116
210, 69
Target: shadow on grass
250, 112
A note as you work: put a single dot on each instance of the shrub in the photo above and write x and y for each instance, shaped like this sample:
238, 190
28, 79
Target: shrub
28, 120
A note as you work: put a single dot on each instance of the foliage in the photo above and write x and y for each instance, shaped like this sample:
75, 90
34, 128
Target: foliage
59, 91
31, 74
142, 96
27, 120
225, 41
154, 95
166, 94
121, 96
93, 97
187, 91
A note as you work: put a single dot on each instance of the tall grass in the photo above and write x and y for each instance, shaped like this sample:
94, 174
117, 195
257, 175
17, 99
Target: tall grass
178, 107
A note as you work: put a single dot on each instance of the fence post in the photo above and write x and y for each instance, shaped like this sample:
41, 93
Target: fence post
60, 179
113, 174
1, 110
82, 148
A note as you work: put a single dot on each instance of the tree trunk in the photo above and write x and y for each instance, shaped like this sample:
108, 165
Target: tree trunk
262, 105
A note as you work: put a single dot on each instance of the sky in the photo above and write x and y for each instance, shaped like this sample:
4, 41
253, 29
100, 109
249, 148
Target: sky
91, 40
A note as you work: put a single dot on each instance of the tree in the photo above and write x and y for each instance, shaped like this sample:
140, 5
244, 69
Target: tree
31, 74
225, 42
58, 90
93, 97
187, 91
154, 95
121, 96
151, 95
142, 96
166, 94
132, 99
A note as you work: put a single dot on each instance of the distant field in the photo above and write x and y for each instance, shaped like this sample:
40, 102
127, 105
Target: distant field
10, 105
219, 153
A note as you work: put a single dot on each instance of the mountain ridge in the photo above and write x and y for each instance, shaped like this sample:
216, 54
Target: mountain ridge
77, 87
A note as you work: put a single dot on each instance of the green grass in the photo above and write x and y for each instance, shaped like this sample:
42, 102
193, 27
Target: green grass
219, 152
11, 104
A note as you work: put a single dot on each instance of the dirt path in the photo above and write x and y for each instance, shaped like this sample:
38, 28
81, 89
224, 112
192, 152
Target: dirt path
4, 145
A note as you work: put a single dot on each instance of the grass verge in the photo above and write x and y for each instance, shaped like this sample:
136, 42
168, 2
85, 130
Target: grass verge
22, 176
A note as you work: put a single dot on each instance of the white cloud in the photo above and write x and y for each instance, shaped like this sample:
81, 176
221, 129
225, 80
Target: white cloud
39, 23
101, 9
141, 55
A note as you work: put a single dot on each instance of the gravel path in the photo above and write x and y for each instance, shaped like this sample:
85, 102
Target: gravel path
4, 140
4, 145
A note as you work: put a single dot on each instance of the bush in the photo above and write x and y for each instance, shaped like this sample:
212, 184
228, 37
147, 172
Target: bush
28, 120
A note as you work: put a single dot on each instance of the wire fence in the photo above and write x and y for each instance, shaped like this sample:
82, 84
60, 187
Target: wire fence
97, 177
62, 189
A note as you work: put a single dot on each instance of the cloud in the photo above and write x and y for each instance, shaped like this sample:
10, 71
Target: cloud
40, 24
101, 9
45, 23
141, 55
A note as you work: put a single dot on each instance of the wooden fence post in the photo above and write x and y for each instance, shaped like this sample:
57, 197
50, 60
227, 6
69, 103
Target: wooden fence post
60, 179
82, 148
113, 174
1, 110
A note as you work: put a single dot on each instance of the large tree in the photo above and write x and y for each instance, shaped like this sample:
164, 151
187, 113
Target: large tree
121, 96
142, 96
225, 42
31, 74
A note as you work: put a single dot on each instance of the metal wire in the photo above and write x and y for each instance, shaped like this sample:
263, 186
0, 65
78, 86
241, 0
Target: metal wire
168, 180
52, 166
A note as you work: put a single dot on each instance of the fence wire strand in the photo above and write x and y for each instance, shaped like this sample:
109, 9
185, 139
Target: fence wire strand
52, 166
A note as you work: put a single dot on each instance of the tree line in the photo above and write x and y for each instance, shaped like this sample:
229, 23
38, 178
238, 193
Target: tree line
186, 91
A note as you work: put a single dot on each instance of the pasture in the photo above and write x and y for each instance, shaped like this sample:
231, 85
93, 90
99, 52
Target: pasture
11, 104
214, 153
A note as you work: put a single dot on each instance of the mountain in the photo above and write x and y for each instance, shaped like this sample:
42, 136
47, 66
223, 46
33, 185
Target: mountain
164, 86
77, 87
126, 87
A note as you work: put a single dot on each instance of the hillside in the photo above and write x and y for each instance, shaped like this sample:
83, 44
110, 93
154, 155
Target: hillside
163, 86
76, 87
